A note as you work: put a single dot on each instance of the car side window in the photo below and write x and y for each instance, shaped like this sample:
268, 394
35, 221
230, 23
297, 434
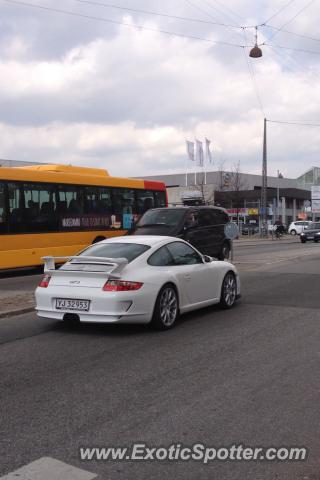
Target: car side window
192, 219
161, 258
183, 254
212, 217
207, 218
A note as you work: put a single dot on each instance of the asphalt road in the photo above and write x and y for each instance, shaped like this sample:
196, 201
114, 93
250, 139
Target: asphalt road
249, 376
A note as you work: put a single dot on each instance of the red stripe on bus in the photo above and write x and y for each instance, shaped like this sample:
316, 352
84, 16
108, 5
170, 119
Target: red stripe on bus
149, 185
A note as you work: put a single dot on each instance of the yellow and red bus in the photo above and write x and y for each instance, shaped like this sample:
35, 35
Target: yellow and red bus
59, 209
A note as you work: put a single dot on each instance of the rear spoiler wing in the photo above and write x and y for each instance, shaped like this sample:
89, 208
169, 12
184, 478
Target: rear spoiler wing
116, 264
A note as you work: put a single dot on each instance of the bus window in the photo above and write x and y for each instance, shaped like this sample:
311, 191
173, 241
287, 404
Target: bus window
145, 200
105, 206
123, 200
2, 209
39, 207
97, 200
128, 204
69, 201
123, 207
16, 207
160, 199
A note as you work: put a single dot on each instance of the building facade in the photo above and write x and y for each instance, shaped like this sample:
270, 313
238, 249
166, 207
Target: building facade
16, 163
240, 194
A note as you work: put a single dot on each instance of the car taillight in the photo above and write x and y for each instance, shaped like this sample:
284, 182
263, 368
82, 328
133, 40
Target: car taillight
121, 286
44, 282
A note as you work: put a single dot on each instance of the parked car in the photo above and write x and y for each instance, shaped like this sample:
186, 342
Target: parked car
312, 232
201, 226
249, 229
295, 228
141, 279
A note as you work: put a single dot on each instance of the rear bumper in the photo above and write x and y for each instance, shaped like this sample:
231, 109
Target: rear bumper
105, 307
94, 318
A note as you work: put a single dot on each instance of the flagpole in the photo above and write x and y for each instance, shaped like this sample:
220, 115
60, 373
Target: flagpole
195, 163
208, 157
205, 167
186, 171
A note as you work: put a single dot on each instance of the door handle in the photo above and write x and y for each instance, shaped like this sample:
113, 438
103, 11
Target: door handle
187, 277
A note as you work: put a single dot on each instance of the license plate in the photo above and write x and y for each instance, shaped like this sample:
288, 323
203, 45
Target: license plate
72, 304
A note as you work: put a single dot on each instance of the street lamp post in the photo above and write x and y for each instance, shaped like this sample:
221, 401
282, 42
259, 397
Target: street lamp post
278, 196
279, 175
264, 181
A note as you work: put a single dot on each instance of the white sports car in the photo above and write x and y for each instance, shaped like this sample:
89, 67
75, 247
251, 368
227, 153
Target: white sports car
135, 279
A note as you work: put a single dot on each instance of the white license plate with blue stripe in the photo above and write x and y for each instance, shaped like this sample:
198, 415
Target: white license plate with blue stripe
72, 304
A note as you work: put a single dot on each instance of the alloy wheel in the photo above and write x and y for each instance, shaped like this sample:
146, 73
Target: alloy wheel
168, 306
229, 289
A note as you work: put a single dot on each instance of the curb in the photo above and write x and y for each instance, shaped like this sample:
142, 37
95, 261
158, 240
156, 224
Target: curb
18, 311
263, 242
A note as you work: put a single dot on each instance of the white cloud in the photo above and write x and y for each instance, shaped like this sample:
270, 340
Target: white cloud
126, 98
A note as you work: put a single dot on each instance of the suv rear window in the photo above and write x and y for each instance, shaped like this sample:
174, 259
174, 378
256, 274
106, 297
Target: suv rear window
167, 216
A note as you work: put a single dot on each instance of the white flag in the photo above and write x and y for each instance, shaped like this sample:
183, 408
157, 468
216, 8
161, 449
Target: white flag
199, 153
208, 153
190, 150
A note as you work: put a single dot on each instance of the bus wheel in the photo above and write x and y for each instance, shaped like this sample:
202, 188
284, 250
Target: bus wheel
98, 239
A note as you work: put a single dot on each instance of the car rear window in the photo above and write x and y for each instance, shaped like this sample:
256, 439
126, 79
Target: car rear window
130, 251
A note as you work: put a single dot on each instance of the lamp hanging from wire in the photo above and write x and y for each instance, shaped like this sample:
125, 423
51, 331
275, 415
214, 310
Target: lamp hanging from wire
256, 52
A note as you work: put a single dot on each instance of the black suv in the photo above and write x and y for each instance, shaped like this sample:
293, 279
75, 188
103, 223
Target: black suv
203, 227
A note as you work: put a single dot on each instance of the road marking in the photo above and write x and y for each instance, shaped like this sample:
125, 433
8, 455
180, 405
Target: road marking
276, 260
47, 468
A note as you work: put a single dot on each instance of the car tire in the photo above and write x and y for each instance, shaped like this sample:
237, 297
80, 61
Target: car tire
228, 291
293, 232
224, 252
316, 240
166, 309
303, 240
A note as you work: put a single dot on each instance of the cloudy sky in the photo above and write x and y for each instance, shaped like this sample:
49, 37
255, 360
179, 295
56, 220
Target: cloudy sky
105, 86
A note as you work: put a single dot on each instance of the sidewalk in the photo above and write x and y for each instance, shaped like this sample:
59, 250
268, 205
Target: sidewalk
13, 303
256, 240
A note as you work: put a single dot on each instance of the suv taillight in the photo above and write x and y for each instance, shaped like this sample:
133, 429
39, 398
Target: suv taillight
44, 282
121, 286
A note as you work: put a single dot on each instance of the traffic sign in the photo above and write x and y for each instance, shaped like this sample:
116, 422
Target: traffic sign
231, 230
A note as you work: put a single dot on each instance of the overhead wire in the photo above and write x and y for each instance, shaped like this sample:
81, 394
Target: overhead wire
292, 33
291, 19
158, 14
306, 124
218, 10
233, 12
284, 47
115, 22
250, 66
226, 15
252, 75
291, 63
279, 11
194, 5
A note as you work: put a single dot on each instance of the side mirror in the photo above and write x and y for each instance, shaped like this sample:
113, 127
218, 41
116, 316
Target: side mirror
207, 259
